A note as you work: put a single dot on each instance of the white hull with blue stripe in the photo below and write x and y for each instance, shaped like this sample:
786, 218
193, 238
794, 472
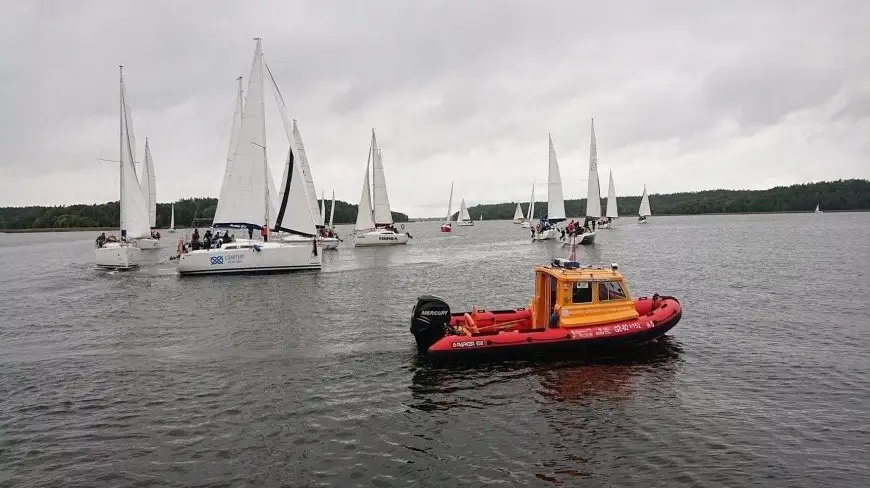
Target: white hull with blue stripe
249, 256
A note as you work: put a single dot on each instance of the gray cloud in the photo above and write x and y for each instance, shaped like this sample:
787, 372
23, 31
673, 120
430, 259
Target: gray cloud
684, 93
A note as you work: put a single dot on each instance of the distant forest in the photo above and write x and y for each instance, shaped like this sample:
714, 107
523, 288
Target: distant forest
108, 215
831, 195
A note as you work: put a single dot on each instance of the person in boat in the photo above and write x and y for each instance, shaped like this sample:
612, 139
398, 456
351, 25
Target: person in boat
264, 233
111, 239
101, 239
227, 238
206, 239
251, 232
194, 240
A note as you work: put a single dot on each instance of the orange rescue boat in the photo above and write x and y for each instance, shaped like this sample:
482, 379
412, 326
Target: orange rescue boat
573, 308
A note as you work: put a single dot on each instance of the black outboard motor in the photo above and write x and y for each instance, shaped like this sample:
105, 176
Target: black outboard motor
429, 321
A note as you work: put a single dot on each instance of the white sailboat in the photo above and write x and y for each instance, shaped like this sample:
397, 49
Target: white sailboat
120, 253
172, 220
464, 218
447, 226
518, 214
644, 211
555, 201
374, 220
818, 209
149, 189
527, 224
247, 197
611, 212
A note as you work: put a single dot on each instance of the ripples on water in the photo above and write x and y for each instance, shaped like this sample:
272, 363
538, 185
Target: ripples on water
311, 379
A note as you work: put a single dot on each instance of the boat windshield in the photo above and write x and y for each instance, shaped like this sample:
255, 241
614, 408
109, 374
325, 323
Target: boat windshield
582, 292
610, 290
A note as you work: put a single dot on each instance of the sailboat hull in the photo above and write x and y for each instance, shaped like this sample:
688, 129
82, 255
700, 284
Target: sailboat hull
247, 256
379, 238
446, 228
545, 235
147, 244
526, 225
118, 255
465, 223
585, 238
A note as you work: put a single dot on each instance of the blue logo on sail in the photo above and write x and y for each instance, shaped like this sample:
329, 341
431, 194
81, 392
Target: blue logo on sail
217, 260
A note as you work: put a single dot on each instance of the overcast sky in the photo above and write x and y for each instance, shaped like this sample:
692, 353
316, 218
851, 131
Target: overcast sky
686, 95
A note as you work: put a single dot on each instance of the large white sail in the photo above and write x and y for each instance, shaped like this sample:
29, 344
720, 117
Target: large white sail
149, 185
134, 206
518, 213
306, 171
463, 211
555, 201
172, 218
644, 210
380, 200
593, 190
531, 204
611, 211
450, 205
364, 218
224, 212
248, 199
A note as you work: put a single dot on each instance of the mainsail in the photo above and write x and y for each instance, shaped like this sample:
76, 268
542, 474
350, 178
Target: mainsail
555, 201
380, 200
149, 185
531, 204
611, 212
593, 191
450, 205
134, 206
364, 219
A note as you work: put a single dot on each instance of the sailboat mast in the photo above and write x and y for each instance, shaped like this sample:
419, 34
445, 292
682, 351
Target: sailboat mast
262, 102
121, 152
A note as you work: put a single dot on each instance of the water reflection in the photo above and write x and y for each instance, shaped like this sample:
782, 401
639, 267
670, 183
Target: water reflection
437, 386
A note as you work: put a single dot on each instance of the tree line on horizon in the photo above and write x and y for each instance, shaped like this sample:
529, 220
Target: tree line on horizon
189, 212
853, 194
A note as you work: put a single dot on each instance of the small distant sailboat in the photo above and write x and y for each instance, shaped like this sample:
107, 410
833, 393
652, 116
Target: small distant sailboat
464, 217
374, 219
481, 218
818, 209
644, 211
527, 224
447, 226
555, 201
518, 214
611, 212
172, 220
120, 253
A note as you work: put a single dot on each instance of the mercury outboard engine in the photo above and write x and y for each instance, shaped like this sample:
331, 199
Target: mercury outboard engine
429, 321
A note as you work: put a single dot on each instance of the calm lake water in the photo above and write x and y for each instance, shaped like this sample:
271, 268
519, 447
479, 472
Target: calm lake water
311, 379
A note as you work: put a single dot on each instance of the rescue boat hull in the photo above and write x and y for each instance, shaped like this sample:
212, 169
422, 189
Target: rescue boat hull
654, 321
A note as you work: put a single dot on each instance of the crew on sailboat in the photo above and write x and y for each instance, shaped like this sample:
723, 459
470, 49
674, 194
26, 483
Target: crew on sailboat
155, 234
101, 239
